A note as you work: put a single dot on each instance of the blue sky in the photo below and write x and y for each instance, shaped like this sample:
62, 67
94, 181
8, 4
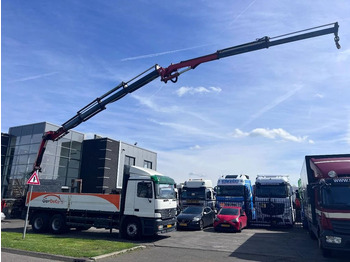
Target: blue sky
254, 113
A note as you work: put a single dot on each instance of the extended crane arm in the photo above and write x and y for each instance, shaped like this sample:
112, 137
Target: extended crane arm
171, 73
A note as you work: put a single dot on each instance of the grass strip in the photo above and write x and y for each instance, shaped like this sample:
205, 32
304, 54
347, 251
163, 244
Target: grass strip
65, 246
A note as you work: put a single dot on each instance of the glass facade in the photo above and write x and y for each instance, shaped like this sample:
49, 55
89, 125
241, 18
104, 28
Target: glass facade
60, 164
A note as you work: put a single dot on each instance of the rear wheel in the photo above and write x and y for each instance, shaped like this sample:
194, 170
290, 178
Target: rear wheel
58, 224
40, 223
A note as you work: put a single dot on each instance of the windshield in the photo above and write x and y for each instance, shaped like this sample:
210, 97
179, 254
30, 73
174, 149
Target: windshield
336, 196
193, 210
193, 193
230, 191
229, 211
271, 191
165, 191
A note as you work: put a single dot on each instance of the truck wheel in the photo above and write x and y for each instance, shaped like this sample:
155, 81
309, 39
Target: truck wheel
58, 224
132, 229
40, 223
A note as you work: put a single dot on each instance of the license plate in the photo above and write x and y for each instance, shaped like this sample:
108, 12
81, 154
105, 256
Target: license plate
183, 224
225, 225
168, 226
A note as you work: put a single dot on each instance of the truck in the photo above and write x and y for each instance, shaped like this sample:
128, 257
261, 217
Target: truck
170, 73
146, 205
274, 202
236, 190
197, 192
325, 197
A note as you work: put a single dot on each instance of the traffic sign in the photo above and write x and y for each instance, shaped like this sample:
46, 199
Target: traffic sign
34, 179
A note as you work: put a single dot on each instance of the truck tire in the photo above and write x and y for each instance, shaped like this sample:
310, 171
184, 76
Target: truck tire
40, 223
58, 224
132, 229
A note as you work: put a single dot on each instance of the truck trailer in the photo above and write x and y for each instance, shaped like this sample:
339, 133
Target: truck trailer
274, 201
197, 192
146, 205
236, 190
325, 194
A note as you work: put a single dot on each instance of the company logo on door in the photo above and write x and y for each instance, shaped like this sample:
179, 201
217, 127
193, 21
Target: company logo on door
52, 199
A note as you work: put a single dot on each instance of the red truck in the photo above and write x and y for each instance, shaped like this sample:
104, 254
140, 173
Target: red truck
325, 194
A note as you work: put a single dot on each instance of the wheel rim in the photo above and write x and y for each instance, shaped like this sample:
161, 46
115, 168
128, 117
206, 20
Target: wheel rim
38, 223
56, 224
131, 230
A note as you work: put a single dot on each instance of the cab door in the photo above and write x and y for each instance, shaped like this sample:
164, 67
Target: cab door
144, 200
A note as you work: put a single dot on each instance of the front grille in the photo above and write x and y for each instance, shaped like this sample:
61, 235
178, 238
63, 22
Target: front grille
341, 226
167, 213
272, 209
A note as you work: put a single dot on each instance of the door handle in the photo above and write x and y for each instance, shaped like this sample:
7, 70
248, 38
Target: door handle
136, 210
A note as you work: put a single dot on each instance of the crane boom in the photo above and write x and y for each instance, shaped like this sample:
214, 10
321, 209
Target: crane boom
172, 73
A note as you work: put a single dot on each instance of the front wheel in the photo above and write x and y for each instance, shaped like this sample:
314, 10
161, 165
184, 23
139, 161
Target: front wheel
132, 229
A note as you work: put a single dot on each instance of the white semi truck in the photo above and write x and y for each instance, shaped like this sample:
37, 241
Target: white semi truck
198, 192
146, 205
274, 201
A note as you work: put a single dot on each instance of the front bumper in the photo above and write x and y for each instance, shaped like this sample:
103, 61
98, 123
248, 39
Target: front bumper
331, 240
226, 226
158, 226
188, 224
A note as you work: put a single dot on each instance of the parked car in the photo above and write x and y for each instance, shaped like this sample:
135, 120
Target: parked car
195, 217
230, 218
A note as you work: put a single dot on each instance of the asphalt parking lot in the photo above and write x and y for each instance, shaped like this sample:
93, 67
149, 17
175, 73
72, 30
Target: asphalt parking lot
252, 244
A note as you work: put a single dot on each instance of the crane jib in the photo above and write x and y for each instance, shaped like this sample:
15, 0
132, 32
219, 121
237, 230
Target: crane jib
171, 73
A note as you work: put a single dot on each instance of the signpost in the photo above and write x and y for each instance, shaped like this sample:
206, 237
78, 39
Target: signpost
33, 180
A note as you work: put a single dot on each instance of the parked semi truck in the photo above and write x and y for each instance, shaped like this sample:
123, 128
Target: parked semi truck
146, 205
236, 190
325, 194
273, 200
197, 192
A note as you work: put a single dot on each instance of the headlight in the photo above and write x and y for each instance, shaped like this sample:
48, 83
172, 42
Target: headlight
196, 218
235, 220
333, 239
217, 220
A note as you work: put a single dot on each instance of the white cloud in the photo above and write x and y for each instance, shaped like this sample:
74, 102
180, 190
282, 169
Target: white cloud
197, 90
276, 133
196, 147
319, 96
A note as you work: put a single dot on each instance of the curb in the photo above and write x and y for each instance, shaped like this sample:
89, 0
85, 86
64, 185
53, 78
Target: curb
116, 253
66, 258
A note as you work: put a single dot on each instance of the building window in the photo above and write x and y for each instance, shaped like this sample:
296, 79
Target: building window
130, 161
147, 164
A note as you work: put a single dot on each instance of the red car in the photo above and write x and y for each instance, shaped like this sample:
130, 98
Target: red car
230, 218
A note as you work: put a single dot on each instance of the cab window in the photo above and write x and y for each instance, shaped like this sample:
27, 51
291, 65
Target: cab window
144, 189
